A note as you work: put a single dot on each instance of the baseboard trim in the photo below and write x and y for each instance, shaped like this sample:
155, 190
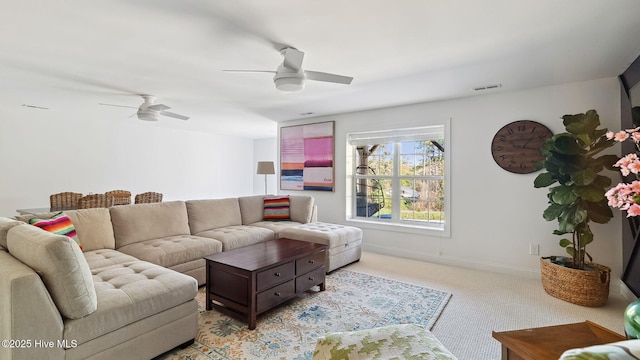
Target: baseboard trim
454, 261
615, 286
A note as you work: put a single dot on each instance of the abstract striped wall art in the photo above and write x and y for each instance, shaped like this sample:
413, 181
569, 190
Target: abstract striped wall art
307, 157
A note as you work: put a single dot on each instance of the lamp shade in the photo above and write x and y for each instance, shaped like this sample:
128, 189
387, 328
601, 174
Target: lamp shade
265, 168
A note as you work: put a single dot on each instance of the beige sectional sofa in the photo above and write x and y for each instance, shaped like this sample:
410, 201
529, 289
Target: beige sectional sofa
129, 293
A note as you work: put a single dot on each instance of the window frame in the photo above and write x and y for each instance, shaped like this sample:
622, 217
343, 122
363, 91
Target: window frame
395, 223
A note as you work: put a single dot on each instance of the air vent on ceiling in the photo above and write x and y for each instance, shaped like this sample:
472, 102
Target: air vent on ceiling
487, 87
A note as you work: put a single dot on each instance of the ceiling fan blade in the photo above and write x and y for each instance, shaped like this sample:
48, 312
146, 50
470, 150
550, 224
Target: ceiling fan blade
158, 107
249, 71
174, 115
292, 58
131, 107
321, 76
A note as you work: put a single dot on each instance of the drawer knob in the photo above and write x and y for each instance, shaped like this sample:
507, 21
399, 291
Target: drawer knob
310, 279
311, 261
277, 294
277, 274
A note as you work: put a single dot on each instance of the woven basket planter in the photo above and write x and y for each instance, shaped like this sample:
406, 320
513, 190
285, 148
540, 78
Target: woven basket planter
581, 287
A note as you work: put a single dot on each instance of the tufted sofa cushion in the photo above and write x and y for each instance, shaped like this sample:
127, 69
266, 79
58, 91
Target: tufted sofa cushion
233, 237
173, 250
106, 257
128, 291
61, 265
332, 235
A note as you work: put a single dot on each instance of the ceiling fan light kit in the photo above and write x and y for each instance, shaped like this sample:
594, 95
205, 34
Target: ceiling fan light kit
147, 115
288, 81
289, 84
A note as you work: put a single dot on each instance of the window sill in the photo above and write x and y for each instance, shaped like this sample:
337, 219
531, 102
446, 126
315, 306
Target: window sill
438, 231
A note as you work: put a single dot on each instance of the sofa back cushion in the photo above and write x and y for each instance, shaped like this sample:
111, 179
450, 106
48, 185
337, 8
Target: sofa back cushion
61, 265
141, 222
5, 225
252, 208
213, 214
94, 228
301, 208
58, 224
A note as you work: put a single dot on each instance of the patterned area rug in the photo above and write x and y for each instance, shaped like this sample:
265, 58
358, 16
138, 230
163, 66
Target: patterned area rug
351, 301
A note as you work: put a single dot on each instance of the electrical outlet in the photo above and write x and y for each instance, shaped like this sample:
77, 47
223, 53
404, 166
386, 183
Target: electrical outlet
534, 249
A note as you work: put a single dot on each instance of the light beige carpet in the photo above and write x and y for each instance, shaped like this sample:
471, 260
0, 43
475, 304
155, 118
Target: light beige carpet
483, 302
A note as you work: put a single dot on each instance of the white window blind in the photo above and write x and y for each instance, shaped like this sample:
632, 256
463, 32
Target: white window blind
397, 135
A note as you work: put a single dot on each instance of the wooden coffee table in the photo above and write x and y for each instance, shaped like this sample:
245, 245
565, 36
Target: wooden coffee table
551, 341
250, 280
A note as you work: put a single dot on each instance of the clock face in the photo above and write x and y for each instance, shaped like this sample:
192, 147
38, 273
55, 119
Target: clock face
516, 146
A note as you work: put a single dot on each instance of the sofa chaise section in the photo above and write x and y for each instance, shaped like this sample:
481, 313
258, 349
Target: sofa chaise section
159, 233
139, 298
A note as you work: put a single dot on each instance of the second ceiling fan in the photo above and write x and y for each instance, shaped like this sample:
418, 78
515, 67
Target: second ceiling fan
150, 111
291, 77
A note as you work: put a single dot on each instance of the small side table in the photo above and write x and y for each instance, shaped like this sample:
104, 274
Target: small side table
550, 342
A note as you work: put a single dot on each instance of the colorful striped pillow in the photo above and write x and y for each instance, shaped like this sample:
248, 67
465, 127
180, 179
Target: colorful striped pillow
276, 209
59, 224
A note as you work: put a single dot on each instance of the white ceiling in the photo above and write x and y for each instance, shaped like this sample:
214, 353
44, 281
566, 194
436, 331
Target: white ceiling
70, 55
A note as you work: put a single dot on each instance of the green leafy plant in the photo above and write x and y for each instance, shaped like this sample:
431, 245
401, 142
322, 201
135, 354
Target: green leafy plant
579, 197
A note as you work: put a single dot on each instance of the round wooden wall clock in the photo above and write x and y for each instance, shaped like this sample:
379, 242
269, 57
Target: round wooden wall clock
516, 146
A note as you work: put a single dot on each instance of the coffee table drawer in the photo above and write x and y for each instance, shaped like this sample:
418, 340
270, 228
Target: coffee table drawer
310, 262
309, 280
274, 276
275, 296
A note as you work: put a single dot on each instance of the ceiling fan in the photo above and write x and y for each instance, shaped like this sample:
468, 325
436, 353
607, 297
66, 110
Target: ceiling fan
291, 77
149, 111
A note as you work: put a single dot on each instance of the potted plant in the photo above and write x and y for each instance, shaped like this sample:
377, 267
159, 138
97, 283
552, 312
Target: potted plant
572, 163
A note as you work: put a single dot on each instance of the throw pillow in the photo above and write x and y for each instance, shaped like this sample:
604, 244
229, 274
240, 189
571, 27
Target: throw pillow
276, 209
404, 341
58, 224
621, 350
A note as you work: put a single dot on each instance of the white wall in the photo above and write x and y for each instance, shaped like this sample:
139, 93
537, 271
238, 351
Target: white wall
265, 150
45, 152
495, 214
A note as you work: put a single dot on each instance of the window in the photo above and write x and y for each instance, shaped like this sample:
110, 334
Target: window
399, 177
